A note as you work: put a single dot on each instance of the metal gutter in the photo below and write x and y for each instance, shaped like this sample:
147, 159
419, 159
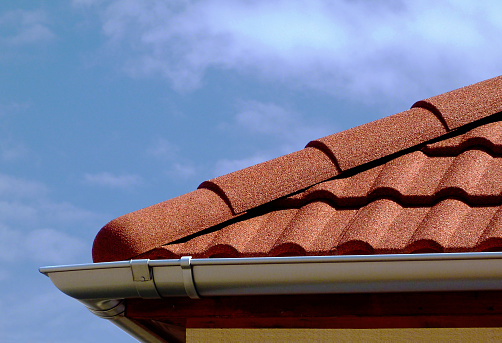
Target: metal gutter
101, 286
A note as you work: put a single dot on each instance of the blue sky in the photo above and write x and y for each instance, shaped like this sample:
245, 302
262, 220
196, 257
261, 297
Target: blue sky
107, 107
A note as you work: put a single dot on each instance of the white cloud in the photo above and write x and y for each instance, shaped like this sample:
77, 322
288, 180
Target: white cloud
18, 211
184, 171
34, 227
14, 188
25, 202
64, 213
162, 148
346, 48
287, 126
277, 130
40, 245
10, 151
52, 246
25, 213
25, 27
106, 179
169, 153
11, 148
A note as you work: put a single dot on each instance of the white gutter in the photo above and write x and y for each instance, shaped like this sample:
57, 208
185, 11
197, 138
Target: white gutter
101, 286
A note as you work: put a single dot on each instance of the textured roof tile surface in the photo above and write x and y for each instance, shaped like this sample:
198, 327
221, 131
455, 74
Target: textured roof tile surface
425, 180
465, 105
381, 138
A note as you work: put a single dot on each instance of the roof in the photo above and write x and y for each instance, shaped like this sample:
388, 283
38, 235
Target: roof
428, 179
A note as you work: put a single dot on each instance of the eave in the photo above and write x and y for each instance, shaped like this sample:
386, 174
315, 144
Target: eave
103, 286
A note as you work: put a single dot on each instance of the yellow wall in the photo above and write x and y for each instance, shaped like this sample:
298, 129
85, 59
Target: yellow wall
474, 335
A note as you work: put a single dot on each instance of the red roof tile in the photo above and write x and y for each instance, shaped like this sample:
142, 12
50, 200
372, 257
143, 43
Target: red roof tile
381, 138
402, 184
489, 136
261, 183
465, 105
140, 231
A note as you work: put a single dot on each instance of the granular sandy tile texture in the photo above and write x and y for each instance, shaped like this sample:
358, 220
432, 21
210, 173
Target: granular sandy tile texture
427, 179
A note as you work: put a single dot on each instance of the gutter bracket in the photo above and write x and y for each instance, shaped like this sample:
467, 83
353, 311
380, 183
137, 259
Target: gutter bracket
143, 279
186, 268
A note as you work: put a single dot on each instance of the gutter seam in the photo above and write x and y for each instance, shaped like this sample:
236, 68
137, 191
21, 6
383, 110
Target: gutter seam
188, 282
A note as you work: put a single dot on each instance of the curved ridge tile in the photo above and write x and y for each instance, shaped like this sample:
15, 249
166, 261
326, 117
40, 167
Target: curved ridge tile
490, 185
464, 174
269, 232
267, 181
395, 239
492, 234
307, 228
241, 234
423, 188
351, 191
392, 207
140, 231
488, 135
468, 233
465, 105
383, 137
440, 223
398, 175
371, 222
237, 235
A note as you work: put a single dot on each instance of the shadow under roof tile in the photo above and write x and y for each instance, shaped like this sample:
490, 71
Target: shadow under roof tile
470, 230
445, 197
306, 228
268, 234
467, 104
339, 190
383, 137
427, 181
396, 237
488, 136
240, 234
140, 231
267, 181
440, 224
399, 174
492, 234
372, 222
465, 172
490, 185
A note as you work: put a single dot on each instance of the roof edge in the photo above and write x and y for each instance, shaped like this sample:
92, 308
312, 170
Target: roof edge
279, 275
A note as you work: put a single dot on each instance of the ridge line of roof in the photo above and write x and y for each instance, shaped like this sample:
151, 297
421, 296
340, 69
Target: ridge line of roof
341, 153
467, 104
426, 120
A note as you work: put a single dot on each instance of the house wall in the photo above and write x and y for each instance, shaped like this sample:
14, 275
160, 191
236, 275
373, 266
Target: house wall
473, 335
